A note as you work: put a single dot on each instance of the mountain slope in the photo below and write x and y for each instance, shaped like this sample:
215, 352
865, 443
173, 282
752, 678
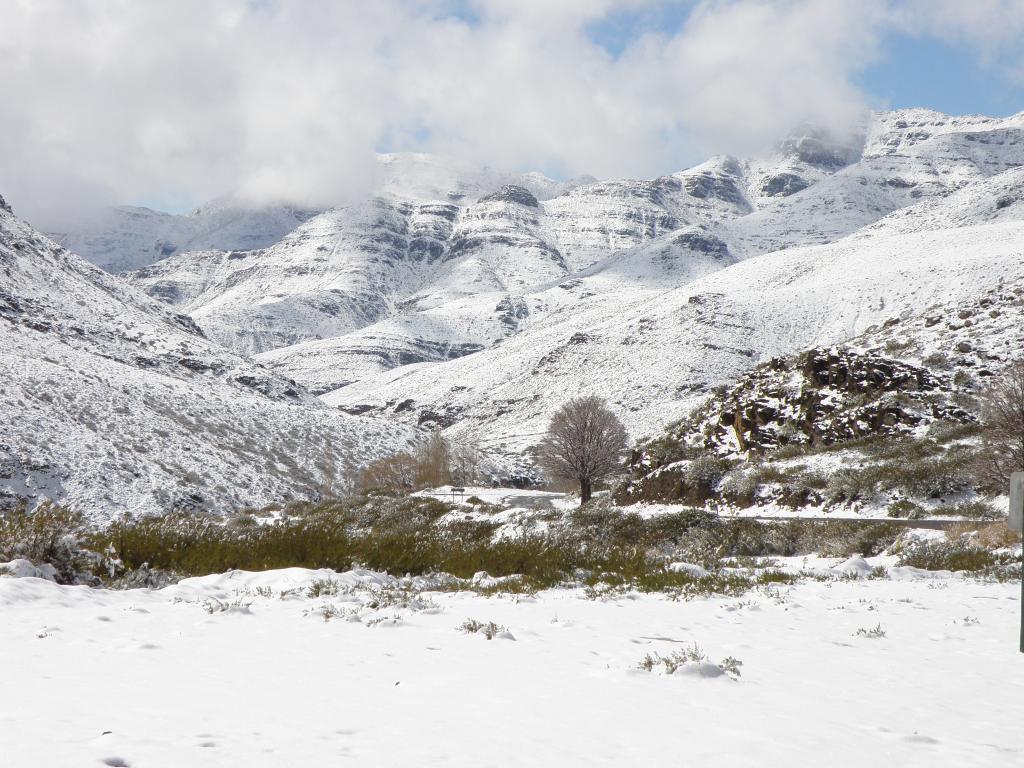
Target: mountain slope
656, 358
466, 294
113, 403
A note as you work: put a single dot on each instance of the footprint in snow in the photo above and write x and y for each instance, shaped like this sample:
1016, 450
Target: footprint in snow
116, 762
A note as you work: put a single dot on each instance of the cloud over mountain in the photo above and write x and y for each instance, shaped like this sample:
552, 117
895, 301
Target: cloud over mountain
173, 103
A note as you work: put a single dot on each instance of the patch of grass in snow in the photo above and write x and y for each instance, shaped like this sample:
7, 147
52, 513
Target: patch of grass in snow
962, 554
875, 632
977, 510
692, 655
488, 629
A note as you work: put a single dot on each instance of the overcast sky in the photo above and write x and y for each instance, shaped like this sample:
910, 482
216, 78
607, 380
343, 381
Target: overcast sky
171, 103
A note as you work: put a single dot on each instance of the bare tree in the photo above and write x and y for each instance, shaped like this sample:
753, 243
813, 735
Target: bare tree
584, 442
466, 459
1002, 435
433, 460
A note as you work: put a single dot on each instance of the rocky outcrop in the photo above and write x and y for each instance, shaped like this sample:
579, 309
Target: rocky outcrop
825, 396
782, 185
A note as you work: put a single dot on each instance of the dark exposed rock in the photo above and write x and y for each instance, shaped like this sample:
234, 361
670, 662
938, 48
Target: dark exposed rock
440, 210
358, 410
426, 248
715, 185
822, 397
512, 310
783, 185
188, 324
9, 305
200, 366
262, 385
702, 243
511, 193
165, 291
4, 205
439, 419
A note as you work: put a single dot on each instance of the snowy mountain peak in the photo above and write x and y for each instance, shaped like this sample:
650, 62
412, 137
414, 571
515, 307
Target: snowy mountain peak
512, 193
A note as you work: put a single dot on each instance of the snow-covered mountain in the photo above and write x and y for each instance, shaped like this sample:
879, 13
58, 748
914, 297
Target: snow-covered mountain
112, 402
351, 267
465, 297
657, 356
129, 237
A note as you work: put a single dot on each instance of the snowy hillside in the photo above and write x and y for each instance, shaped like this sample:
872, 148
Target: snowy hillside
459, 294
113, 403
656, 358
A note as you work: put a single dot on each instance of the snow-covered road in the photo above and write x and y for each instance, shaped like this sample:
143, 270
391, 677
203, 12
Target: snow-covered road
151, 679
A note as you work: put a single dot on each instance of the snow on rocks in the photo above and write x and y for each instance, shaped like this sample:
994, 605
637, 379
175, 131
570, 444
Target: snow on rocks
690, 568
24, 569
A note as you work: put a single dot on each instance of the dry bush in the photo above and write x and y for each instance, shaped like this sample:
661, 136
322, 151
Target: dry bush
396, 473
993, 536
48, 534
435, 462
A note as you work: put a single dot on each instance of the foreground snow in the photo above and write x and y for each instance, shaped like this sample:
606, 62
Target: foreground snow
224, 671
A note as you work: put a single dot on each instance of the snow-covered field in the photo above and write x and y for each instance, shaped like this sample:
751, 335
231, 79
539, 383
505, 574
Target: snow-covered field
227, 671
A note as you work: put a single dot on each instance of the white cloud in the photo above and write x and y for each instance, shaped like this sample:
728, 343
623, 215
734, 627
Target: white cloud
126, 100
993, 28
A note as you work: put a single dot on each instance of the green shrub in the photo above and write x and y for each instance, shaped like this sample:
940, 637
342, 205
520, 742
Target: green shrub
972, 510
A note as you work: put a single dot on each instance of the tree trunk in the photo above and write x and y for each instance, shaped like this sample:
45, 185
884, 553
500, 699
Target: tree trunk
585, 491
